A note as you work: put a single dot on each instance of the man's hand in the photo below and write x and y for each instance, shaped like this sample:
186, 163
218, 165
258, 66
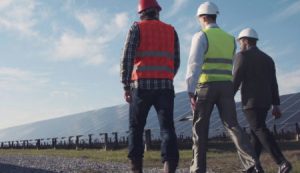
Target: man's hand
276, 112
193, 101
127, 96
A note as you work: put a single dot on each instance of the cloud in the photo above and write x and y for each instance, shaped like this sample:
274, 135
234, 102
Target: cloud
90, 47
293, 84
64, 42
289, 11
185, 34
237, 29
13, 72
4, 3
89, 20
121, 20
114, 27
14, 79
115, 69
30, 96
100, 24
177, 5
276, 53
65, 91
70, 47
18, 16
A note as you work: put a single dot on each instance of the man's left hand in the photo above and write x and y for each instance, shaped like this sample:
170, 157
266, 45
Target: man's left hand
127, 96
276, 112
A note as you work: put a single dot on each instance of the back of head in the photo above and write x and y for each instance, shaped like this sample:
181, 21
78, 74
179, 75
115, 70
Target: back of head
150, 13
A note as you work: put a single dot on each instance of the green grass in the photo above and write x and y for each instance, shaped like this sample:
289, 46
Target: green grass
219, 161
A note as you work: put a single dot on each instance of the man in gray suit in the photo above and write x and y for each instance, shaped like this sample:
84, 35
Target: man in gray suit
255, 71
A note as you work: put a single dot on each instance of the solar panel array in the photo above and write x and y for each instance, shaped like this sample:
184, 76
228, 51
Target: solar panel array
290, 106
115, 119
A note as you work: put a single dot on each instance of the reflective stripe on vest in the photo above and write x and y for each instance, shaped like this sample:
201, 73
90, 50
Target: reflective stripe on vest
155, 68
154, 57
154, 54
217, 65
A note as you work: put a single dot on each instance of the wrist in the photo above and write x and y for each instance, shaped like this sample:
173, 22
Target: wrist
126, 87
191, 94
275, 106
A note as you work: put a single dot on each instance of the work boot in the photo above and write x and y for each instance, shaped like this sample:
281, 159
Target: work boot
258, 169
255, 169
170, 166
285, 167
136, 165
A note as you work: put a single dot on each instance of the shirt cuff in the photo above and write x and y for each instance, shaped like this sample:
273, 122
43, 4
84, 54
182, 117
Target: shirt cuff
126, 87
191, 89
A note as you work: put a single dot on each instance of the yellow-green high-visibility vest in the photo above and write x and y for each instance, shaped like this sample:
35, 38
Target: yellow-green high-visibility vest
217, 65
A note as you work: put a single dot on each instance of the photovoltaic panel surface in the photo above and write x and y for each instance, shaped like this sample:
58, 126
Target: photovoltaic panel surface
115, 119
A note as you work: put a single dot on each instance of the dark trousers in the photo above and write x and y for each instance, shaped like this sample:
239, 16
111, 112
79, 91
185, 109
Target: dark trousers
163, 102
261, 137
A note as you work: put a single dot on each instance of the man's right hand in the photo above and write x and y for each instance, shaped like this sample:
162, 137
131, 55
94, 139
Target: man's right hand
127, 96
193, 101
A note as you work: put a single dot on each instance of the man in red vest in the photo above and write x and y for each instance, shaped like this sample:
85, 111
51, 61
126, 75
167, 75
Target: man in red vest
150, 61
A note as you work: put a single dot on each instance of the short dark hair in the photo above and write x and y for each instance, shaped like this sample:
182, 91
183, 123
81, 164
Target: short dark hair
151, 13
213, 17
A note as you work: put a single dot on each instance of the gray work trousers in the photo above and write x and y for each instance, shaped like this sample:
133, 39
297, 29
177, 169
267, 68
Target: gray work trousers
219, 94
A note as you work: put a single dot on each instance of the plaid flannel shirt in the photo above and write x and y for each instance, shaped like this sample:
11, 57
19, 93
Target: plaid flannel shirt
127, 63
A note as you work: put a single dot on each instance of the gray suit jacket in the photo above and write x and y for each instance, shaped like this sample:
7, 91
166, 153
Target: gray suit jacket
255, 71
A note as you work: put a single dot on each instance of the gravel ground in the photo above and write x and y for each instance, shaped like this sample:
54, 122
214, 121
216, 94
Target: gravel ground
48, 164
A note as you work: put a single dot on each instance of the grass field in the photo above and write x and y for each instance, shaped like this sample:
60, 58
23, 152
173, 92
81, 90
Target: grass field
218, 161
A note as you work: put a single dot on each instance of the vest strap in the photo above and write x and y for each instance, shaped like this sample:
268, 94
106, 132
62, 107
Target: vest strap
158, 54
153, 68
218, 60
226, 72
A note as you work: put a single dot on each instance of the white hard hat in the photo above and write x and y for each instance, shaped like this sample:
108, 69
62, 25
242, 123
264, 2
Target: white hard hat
248, 32
207, 8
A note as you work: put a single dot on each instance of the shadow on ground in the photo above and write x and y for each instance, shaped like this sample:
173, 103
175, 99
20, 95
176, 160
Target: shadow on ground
6, 168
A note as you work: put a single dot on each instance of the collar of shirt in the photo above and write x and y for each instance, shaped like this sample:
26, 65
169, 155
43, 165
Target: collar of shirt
150, 18
251, 47
212, 25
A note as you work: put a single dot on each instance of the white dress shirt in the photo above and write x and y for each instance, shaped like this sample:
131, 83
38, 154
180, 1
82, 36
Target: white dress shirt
199, 47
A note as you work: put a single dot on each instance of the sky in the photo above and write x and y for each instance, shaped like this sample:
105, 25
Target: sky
60, 57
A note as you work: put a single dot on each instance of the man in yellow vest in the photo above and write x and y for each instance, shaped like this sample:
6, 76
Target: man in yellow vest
209, 83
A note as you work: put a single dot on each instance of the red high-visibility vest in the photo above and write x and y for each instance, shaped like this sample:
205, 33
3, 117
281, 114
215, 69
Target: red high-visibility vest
155, 54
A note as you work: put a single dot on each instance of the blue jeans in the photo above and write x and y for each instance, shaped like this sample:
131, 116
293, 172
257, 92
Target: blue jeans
163, 102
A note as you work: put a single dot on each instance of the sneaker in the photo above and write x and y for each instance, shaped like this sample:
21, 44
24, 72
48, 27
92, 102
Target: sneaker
285, 167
